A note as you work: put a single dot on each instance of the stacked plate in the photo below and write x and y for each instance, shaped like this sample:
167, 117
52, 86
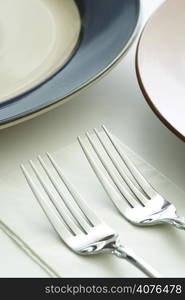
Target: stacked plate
52, 49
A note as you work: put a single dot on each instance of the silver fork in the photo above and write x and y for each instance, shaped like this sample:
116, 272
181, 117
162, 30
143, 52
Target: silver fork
131, 193
77, 225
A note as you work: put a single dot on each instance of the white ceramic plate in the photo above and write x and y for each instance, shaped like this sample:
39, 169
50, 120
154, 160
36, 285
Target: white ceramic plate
36, 40
161, 64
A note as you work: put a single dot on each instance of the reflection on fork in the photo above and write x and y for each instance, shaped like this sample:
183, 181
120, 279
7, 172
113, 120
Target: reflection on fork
77, 225
132, 194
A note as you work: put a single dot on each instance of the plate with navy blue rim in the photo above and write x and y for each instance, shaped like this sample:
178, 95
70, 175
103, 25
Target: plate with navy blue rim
108, 30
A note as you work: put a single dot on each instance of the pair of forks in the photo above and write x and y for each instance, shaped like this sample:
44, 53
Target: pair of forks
77, 225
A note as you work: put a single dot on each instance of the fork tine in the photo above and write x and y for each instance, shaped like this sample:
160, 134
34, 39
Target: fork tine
140, 179
61, 210
126, 194
139, 195
108, 186
84, 225
60, 227
86, 211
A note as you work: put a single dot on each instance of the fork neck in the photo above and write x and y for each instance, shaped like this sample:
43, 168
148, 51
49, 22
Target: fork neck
130, 256
178, 222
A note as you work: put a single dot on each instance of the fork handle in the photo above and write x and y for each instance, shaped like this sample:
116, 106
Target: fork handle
128, 254
178, 222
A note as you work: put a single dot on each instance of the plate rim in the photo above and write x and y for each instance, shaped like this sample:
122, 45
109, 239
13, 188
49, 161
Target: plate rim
143, 89
89, 83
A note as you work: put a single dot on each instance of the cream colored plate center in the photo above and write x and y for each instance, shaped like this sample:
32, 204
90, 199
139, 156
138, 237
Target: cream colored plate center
36, 39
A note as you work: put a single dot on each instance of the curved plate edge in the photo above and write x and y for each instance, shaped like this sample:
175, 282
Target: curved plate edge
144, 92
89, 83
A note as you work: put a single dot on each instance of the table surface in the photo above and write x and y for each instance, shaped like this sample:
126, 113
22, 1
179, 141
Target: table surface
116, 101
